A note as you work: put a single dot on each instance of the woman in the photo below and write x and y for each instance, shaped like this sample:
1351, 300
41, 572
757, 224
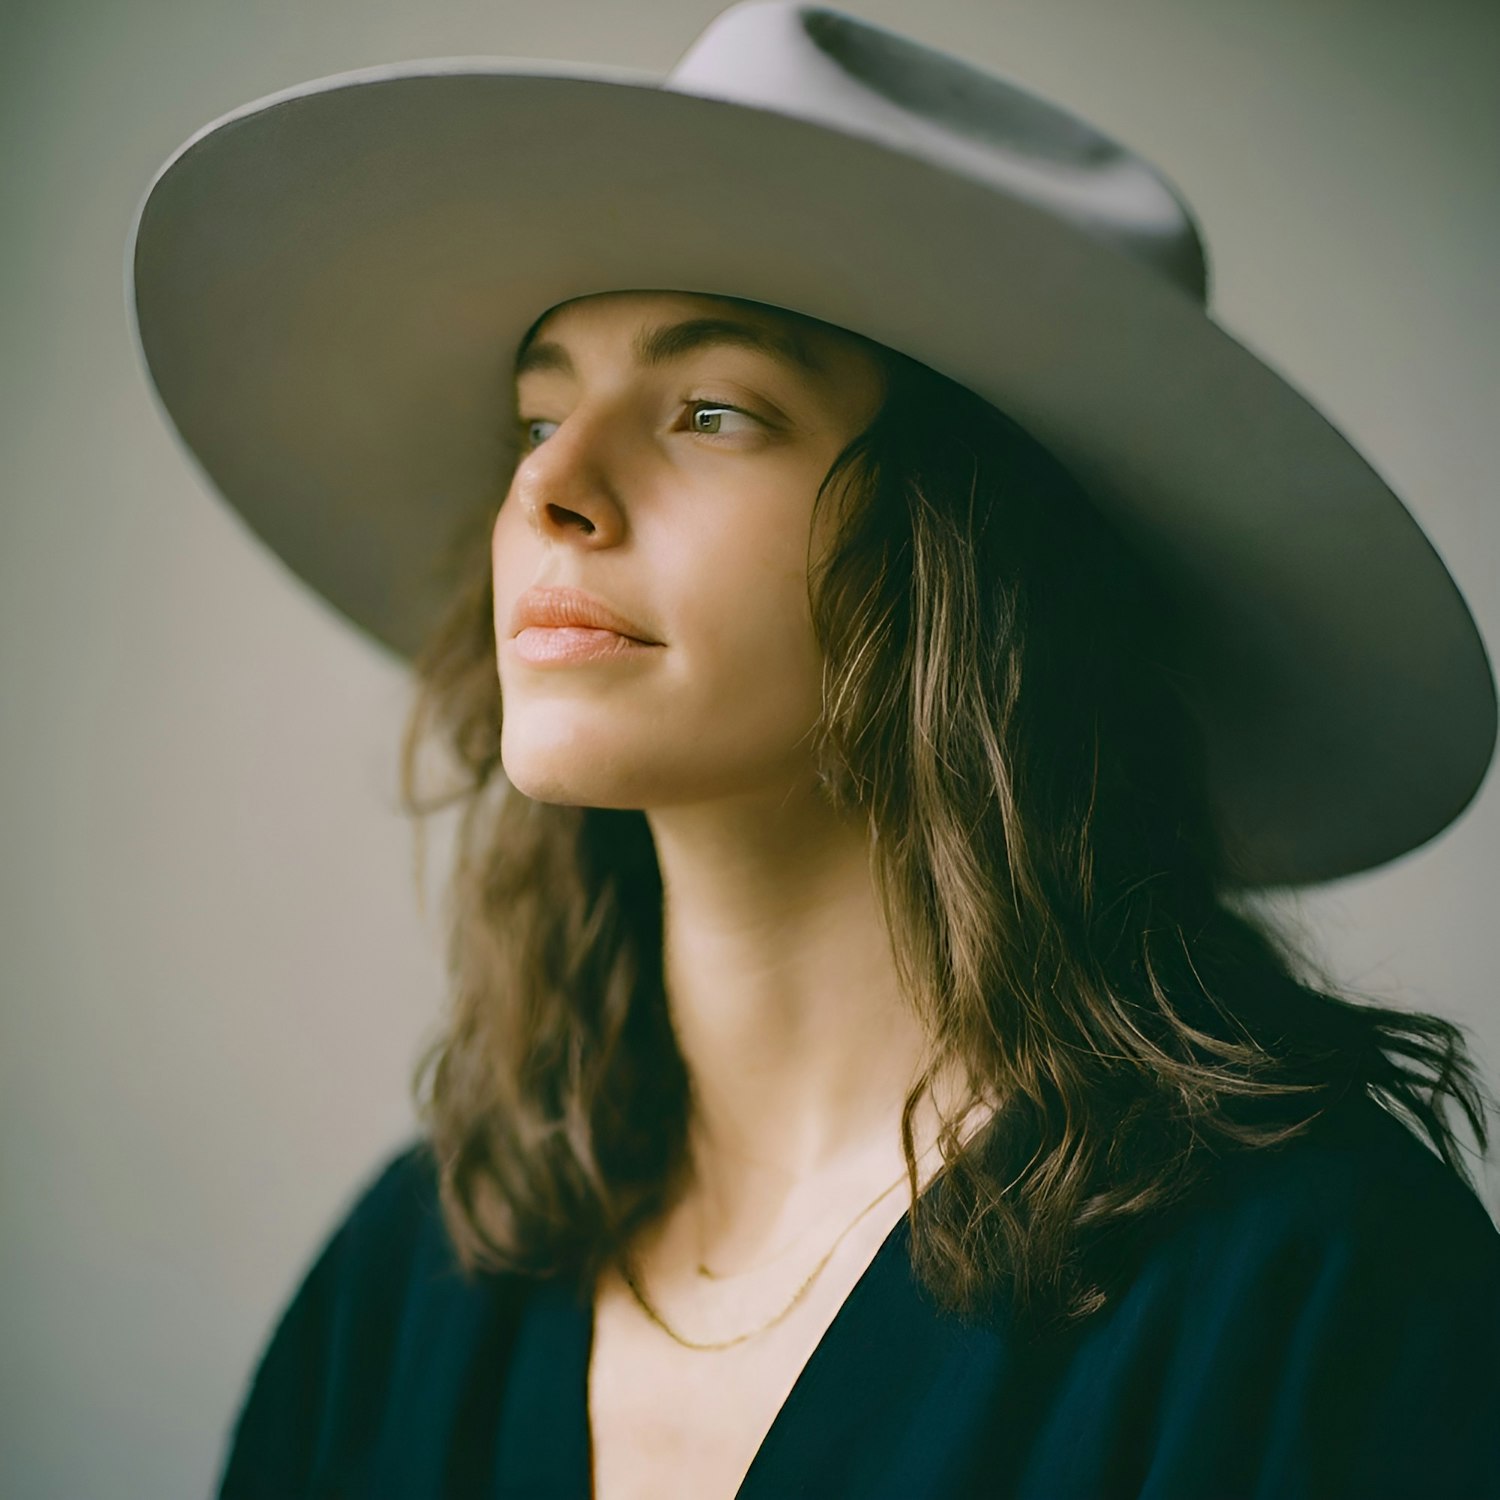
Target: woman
861, 1079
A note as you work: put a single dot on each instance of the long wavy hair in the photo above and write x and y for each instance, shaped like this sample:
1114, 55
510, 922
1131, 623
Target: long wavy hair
1003, 709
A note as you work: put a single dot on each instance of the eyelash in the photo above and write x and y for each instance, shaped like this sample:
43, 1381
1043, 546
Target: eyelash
524, 424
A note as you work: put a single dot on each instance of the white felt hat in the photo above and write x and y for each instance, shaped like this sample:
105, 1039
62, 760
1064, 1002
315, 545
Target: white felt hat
329, 284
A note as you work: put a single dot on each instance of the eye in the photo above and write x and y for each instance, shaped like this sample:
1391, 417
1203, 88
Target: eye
706, 418
701, 412
527, 429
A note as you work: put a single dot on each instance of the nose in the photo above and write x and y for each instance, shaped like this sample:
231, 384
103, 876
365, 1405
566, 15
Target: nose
567, 485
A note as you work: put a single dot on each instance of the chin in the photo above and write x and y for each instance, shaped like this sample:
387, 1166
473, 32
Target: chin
555, 758
572, 776
547, 785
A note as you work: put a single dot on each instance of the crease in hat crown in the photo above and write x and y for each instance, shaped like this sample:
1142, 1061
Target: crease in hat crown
836, 70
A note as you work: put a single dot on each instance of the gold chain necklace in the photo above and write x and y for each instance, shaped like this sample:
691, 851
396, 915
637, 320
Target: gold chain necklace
627, 1272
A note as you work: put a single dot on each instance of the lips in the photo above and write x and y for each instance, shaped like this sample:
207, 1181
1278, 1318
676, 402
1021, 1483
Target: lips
559, 608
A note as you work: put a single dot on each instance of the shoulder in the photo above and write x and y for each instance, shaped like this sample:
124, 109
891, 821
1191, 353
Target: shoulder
1314, 1319
1356, 1213
385, 1240
392, 1212
1327, 1311
1359, 1179
388, 1267
387, 1235
383, 1317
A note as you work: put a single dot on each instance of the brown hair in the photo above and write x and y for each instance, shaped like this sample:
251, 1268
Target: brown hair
1003, 708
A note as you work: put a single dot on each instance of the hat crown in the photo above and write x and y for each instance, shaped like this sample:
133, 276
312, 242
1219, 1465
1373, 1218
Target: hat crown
846, 73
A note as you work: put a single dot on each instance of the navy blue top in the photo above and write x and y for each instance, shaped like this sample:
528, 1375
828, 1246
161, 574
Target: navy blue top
1321, 1320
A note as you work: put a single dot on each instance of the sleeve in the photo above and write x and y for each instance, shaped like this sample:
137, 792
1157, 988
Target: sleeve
318, 1381
1339, 1348
273, 1445
1392, 1386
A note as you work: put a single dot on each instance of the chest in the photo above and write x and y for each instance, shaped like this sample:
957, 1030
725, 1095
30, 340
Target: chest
667, 1421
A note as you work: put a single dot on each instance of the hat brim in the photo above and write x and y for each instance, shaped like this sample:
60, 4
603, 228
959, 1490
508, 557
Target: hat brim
328, 287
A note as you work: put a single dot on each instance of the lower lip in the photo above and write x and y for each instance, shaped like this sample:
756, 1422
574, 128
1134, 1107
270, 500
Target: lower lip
563, 645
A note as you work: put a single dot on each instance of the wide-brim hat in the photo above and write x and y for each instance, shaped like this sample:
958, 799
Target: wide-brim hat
328, 286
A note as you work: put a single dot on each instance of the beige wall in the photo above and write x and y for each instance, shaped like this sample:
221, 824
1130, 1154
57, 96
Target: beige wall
214, 976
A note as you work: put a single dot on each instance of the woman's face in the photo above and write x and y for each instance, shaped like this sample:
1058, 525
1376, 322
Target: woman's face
672, 446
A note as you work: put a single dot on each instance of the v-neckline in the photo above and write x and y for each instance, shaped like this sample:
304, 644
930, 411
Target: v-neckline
760, 1477
760, 1480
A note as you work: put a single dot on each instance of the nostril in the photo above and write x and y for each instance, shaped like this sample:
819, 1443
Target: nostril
560, 515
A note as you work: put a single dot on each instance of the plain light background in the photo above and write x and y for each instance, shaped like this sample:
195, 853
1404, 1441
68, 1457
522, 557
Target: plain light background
215, 976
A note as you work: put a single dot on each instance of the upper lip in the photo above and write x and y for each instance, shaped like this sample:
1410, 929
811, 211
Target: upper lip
563, 606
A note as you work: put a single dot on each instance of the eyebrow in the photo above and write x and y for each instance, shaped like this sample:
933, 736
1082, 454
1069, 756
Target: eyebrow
654, 347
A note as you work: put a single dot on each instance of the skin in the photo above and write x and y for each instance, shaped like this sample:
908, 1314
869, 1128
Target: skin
780, 979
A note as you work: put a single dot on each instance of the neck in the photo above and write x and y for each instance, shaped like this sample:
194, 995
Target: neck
784, 997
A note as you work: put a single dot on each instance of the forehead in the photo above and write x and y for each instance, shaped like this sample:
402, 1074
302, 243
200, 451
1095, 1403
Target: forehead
656, 328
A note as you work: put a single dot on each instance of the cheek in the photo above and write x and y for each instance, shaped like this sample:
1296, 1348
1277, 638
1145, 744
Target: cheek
749, 639
509, 560
505, 531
